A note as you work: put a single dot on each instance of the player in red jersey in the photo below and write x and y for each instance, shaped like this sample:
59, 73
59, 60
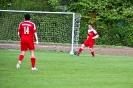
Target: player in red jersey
27, 34
89, 42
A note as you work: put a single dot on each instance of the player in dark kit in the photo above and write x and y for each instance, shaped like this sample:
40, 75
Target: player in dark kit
89, 42
27, 34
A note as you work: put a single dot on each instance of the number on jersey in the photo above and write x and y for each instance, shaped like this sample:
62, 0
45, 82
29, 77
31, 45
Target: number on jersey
26, 30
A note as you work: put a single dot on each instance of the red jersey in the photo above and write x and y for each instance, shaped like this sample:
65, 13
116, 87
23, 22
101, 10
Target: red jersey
26, 31
91, 33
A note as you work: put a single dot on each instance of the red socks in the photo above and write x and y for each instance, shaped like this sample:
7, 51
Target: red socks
80, 50
92, 53
33, 60
21, 57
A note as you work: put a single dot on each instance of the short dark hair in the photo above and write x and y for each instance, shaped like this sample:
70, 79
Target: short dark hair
27, 16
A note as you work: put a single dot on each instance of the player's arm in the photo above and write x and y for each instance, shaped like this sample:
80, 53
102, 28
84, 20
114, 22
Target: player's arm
19, 35
96, 35
35, 35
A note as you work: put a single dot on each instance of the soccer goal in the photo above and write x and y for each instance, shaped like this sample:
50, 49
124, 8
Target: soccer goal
52, 27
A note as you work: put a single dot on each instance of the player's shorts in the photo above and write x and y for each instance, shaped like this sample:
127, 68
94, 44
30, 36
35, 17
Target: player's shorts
27, 46
88, 43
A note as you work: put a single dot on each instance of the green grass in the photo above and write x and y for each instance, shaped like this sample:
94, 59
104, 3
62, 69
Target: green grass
60, 70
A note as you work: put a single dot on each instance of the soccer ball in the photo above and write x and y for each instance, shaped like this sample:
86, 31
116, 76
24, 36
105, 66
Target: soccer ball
75, 53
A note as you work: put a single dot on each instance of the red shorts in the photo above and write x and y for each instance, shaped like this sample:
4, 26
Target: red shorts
88, 43
27, 45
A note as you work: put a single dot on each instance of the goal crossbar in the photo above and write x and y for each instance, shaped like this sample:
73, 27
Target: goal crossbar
37, 12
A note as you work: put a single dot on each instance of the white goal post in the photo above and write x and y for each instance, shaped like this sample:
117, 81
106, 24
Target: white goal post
59, 24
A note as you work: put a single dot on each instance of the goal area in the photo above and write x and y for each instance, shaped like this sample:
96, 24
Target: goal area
52, 27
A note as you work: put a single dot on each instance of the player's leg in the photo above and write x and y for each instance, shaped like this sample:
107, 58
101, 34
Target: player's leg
82, 46
92, 52
21, 56
80, 49
33, 58
91, 49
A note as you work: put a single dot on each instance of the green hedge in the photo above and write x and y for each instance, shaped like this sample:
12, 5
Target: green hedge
50, 27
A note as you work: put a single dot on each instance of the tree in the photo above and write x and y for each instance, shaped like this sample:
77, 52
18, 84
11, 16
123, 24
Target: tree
106, 15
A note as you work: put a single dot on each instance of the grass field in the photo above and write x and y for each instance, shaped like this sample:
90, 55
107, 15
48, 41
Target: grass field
60, 70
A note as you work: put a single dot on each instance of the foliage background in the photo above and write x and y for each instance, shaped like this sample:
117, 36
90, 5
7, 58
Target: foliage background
113, 19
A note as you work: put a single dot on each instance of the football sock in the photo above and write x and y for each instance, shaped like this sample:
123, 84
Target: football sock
92, 53
80, 50
33, 60
20, 58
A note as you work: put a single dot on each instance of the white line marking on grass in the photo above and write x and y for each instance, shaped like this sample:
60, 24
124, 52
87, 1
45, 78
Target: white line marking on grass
13, 50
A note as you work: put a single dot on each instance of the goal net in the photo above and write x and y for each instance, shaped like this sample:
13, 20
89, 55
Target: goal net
52, 27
